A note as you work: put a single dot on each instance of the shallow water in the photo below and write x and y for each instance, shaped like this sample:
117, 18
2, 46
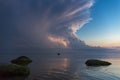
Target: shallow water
67, 67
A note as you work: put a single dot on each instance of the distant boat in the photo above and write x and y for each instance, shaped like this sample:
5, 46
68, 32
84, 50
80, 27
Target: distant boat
58, 54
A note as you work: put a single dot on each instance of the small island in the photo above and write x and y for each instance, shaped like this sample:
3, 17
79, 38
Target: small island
95, 62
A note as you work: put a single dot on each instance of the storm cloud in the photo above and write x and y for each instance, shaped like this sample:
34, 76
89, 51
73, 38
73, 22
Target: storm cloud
42, 23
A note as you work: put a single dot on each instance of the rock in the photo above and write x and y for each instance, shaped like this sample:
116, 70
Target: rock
23, 60
94, 62
14, 70
58, 54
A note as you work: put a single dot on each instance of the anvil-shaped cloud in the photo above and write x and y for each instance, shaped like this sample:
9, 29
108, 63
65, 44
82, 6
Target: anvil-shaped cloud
42, 23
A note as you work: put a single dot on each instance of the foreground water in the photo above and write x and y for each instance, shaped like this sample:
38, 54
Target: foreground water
67, 67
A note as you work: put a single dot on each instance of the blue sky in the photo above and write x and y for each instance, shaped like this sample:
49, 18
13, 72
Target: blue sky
104, 28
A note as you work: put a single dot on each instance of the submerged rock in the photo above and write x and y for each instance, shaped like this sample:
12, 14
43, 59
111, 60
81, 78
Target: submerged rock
94, 62
14, 70
23, 60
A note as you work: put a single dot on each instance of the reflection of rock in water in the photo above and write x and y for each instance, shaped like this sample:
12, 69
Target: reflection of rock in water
56, 75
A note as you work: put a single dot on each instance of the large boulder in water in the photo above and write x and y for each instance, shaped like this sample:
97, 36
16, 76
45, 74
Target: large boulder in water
94, 62
23, 60
14, 70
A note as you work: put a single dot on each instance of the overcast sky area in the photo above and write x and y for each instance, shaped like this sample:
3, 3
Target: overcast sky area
44, 24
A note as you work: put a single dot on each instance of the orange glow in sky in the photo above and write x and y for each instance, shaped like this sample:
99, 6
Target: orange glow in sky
60, 41
104, 44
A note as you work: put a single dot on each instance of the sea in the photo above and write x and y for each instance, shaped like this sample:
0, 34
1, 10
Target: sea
67, 66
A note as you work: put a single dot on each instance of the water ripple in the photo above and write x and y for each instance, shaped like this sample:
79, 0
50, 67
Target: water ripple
55, 75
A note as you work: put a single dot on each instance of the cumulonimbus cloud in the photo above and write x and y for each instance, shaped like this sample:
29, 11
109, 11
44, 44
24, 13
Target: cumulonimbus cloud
43, 23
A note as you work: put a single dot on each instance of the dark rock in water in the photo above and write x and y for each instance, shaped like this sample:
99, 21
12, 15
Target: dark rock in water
94, 62
23, 60
58, 54
14, 70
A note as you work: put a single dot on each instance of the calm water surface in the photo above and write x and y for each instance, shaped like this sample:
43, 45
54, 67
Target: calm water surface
66, 67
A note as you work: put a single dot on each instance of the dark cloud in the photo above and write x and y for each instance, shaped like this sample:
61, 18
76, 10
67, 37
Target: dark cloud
42, 23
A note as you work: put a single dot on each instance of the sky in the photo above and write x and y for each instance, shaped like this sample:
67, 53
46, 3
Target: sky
68, 24
104, 28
